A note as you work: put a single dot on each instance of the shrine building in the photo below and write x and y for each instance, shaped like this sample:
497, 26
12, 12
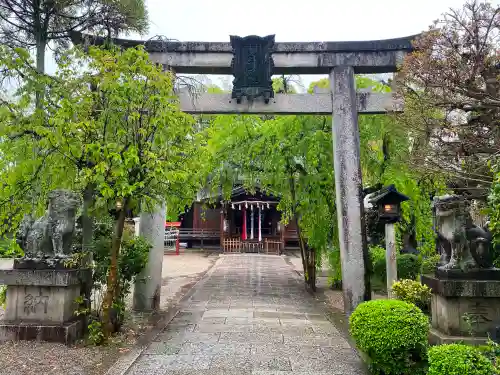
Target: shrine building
245, 223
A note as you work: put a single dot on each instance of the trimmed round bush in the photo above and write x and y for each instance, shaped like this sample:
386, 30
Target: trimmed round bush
393, 334
457, 359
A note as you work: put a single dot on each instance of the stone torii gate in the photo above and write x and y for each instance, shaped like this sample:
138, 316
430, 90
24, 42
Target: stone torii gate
341, 61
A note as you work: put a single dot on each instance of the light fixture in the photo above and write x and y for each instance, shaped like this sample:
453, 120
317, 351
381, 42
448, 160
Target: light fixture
267, 204
240, 207
232, 206
246, 204
390, 208
388, 201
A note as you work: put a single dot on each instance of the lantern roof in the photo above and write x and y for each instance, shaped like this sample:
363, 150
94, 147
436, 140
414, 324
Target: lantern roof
388, 194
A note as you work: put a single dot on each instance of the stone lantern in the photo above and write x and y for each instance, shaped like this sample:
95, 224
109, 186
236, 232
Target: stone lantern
388, 201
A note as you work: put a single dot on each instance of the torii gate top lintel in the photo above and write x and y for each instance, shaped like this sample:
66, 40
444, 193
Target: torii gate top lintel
373, 56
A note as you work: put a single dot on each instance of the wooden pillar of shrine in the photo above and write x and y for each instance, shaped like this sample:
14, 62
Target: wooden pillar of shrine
221, 234
252, 216
282, 235
244, 225
260, 224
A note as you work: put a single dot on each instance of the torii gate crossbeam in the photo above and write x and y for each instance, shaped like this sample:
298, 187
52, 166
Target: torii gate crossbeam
367, 103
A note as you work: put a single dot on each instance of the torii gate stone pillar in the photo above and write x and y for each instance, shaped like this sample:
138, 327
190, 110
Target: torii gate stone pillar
147, 286
348, 187
341, 60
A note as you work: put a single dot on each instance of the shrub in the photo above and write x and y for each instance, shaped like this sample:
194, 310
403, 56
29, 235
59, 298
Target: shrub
132, 259
3, 295
393, 334
335, 269
458, 359
491, 350
377, 258
10, 249
413, 292
429, 264
408, 266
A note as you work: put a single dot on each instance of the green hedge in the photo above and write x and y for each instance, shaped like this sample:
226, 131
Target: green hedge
409, 265
457, 359
393, 334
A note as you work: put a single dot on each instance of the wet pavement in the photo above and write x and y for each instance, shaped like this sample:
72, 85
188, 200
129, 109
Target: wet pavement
249, 315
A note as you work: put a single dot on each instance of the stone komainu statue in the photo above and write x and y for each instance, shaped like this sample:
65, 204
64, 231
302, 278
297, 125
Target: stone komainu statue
51, 235
462, 244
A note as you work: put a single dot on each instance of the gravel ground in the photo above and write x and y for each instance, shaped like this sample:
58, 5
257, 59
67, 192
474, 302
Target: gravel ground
30, 358
45, 358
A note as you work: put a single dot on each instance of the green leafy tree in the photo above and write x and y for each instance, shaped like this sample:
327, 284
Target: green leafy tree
289, 156
33, 24
115, 126
387, 153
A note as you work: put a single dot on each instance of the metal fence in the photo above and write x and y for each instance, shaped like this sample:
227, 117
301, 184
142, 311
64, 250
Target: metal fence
171, 241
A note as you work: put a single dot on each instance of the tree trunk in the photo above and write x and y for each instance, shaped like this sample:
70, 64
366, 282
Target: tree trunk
307, 255
112, 279
87, 222
308, 260
291, 184
385, 151
41, 45
302, 246
312, 270
309, 263
87, 238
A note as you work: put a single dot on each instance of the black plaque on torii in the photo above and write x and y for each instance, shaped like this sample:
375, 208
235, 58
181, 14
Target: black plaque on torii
252, 67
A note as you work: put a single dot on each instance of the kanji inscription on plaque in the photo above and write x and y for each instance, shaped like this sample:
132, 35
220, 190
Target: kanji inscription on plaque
252, 67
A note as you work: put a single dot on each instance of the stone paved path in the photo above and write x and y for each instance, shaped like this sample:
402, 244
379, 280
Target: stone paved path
250, 315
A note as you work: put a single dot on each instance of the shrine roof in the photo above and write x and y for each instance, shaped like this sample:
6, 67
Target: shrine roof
239, 193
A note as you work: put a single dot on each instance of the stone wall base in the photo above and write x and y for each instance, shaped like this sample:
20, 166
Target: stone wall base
66, 333
41, 304
439, 338
465, 309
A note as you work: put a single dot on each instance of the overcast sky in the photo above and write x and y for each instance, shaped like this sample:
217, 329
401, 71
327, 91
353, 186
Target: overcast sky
292, 20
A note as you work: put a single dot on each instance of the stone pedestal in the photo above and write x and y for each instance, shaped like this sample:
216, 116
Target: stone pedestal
41, 304
462, 309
